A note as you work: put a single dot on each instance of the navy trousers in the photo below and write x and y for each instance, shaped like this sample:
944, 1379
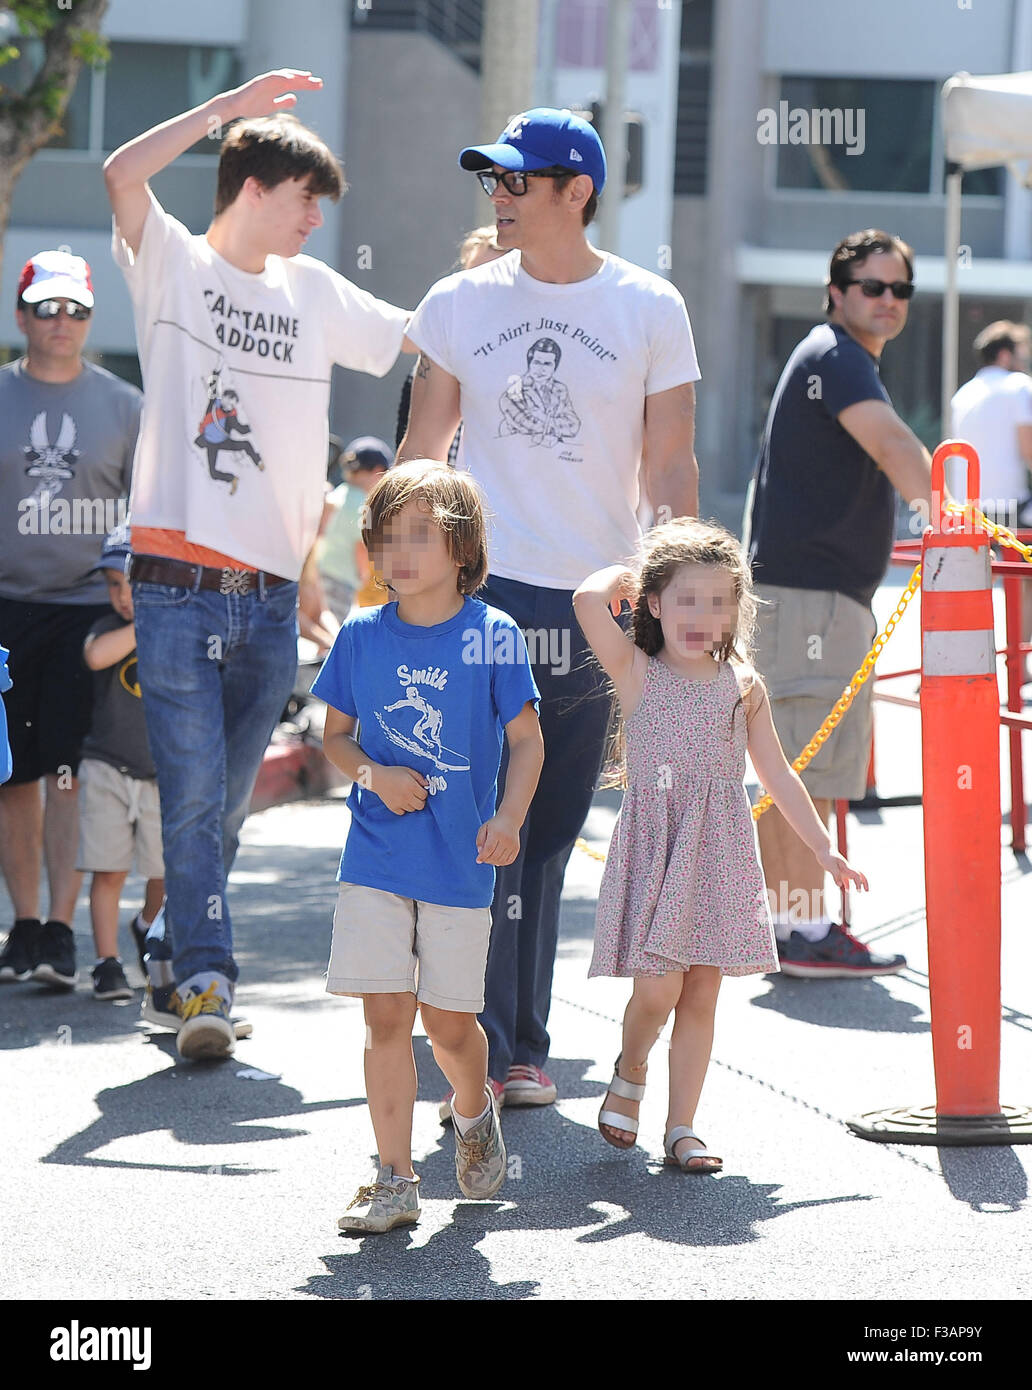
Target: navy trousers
525, 913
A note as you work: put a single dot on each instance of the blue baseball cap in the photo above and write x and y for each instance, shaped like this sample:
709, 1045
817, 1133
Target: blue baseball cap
116, 550
540, 138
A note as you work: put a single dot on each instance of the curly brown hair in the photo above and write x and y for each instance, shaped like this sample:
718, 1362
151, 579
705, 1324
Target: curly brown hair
662, 552
455, 505
688, 541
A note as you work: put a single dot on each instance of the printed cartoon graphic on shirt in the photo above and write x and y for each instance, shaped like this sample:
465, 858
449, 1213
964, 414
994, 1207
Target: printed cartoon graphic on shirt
52, 465
537, 403
128, 678
221, 420
418, 730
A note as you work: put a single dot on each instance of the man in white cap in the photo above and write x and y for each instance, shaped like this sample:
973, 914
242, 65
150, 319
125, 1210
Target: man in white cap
66, 450
573, 372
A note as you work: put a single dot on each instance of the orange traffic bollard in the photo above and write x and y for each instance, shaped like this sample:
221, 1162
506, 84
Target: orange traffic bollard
960, 756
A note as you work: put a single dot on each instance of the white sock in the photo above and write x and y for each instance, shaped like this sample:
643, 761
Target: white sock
464, 1125
784, 926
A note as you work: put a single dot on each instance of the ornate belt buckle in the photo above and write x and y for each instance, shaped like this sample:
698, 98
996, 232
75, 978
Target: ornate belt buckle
235, 581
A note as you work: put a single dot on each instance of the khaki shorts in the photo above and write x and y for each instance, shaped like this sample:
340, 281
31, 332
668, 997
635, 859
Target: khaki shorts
809, 642
386, 944
118, 815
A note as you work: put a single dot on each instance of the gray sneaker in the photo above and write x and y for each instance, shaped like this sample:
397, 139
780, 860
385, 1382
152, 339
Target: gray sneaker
383, 1204
480, 1155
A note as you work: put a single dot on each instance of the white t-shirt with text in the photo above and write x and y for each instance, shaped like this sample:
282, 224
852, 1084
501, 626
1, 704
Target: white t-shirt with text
236, 372
553, 382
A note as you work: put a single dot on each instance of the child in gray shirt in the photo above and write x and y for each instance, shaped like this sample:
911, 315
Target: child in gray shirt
119, 813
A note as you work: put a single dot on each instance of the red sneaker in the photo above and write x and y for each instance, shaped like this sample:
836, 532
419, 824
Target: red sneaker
528, 1085
444, 1109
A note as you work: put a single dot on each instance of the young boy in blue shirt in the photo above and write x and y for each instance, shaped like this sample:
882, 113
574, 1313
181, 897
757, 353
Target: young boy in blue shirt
434, 678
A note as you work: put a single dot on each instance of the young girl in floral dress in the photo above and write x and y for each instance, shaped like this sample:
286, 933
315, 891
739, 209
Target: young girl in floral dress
682, 901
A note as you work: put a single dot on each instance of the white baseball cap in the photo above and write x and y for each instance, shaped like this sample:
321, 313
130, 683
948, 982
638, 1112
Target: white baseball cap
56, 275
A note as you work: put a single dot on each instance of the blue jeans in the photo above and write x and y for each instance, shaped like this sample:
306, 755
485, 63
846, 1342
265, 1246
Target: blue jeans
574, 719
215, 672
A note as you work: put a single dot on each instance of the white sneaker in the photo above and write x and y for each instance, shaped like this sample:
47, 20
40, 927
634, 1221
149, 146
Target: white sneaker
381, 1205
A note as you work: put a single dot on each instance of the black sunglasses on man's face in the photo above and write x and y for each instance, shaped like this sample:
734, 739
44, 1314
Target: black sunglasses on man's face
514, 181
874, 289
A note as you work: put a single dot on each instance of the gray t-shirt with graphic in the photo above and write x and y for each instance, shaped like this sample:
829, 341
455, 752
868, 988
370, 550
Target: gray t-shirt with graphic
66, 456
118, 730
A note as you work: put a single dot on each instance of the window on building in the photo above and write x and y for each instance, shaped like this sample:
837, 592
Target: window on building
693, 97
142, 85
860, 134
455, 23
147, 83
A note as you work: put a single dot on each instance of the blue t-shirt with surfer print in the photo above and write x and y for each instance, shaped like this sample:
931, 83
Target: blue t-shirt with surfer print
435, 699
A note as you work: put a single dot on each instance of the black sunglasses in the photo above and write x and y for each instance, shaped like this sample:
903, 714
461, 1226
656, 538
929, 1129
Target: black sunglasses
51, 308
515, 180
874, 289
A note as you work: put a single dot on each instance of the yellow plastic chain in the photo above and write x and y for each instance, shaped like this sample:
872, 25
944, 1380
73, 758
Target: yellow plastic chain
969, 511
849, 694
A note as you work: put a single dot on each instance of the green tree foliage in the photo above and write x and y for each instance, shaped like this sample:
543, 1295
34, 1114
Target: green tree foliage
68, 34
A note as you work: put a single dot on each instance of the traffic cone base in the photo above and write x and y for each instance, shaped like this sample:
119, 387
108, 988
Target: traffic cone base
1013, 1125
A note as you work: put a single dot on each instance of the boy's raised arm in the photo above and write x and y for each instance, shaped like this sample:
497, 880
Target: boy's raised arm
127, 170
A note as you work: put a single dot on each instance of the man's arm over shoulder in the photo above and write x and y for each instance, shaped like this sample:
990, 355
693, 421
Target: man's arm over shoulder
363, 333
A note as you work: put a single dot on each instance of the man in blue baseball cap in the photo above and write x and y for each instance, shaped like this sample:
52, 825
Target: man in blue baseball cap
573, 372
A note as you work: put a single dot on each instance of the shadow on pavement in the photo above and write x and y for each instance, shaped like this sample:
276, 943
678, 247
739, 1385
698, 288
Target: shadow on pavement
863, 1004
202, 1103
562, 1176
34, 1014
990, 1179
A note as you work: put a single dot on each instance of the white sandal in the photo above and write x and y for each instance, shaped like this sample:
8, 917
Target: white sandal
626, 1090
684, 1132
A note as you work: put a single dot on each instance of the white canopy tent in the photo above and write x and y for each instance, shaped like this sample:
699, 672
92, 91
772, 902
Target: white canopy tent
986, 121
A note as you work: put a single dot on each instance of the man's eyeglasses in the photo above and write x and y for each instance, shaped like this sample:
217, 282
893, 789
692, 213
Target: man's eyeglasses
514, 181
50, 308
874, 289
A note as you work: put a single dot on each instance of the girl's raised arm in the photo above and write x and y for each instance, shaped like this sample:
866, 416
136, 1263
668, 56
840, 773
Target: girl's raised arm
596, 603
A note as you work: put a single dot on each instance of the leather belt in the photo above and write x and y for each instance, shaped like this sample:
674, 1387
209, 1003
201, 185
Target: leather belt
157, 569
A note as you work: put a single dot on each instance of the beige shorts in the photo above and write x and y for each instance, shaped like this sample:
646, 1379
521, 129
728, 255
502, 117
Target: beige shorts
386, 944
809, 642
118, 815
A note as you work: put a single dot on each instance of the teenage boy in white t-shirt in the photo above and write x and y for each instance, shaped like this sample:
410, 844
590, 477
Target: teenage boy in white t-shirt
237, 334
573, 372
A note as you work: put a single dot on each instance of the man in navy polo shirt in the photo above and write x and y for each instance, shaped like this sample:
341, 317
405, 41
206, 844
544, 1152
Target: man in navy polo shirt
822, 522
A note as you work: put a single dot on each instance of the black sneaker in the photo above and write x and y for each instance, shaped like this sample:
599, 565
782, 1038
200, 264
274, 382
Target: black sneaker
157, 1007
21, 950
837, 954
109, 980
138, 927
56, 964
